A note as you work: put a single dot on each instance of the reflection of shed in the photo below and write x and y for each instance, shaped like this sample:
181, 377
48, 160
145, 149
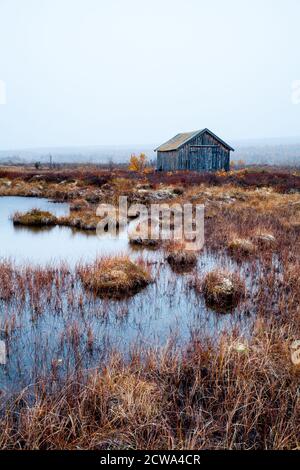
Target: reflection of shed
196, 151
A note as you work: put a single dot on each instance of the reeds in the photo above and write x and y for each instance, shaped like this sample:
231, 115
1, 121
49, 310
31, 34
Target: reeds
231, 386
208, 396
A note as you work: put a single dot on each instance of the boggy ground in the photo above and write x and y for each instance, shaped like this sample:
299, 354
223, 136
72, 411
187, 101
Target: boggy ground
239, 390
247, 200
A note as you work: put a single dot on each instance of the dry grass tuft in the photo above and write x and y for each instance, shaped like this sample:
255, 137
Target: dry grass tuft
222, 289
115, 277
179, 257
80, 219
130, 398
79, 205
181, 260
241, 246
144, 242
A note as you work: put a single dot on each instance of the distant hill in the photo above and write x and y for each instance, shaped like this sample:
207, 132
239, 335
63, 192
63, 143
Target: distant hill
268, 153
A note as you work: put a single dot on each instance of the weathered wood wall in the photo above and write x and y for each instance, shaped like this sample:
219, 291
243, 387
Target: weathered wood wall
203, 153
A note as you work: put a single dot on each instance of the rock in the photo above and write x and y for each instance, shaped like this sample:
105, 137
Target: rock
154, 196
143, 191
162, 194
35, 193
295, 352
2, 353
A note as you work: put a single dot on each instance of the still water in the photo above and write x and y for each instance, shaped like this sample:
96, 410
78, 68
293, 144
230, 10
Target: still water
40, 328
49, 244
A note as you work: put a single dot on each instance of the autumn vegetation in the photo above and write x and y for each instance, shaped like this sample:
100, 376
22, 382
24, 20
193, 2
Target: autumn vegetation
237, 388
115, 278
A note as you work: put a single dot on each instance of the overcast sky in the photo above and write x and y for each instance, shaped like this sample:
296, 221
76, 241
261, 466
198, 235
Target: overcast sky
89, 72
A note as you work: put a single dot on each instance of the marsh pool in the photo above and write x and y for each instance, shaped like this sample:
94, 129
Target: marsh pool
60, 324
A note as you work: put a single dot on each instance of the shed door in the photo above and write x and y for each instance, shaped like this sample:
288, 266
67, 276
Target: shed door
201, 158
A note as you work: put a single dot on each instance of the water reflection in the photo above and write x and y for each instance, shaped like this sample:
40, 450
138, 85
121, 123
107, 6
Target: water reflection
42, 330
49, 244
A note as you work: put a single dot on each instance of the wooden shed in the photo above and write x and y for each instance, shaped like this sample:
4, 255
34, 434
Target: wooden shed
196, 151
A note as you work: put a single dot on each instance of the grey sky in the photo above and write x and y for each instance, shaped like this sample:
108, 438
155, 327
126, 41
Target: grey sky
88, 72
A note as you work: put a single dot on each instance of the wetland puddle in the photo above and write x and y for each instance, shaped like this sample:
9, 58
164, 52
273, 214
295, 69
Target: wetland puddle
46, 245
59, 326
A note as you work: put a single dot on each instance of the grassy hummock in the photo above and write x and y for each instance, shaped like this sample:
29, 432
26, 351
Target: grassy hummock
182, 260
144, 242
241, 246
35, 217
223, 290
115, 277
265, 239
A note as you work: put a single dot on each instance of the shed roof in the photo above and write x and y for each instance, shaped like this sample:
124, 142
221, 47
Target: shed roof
180, 139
